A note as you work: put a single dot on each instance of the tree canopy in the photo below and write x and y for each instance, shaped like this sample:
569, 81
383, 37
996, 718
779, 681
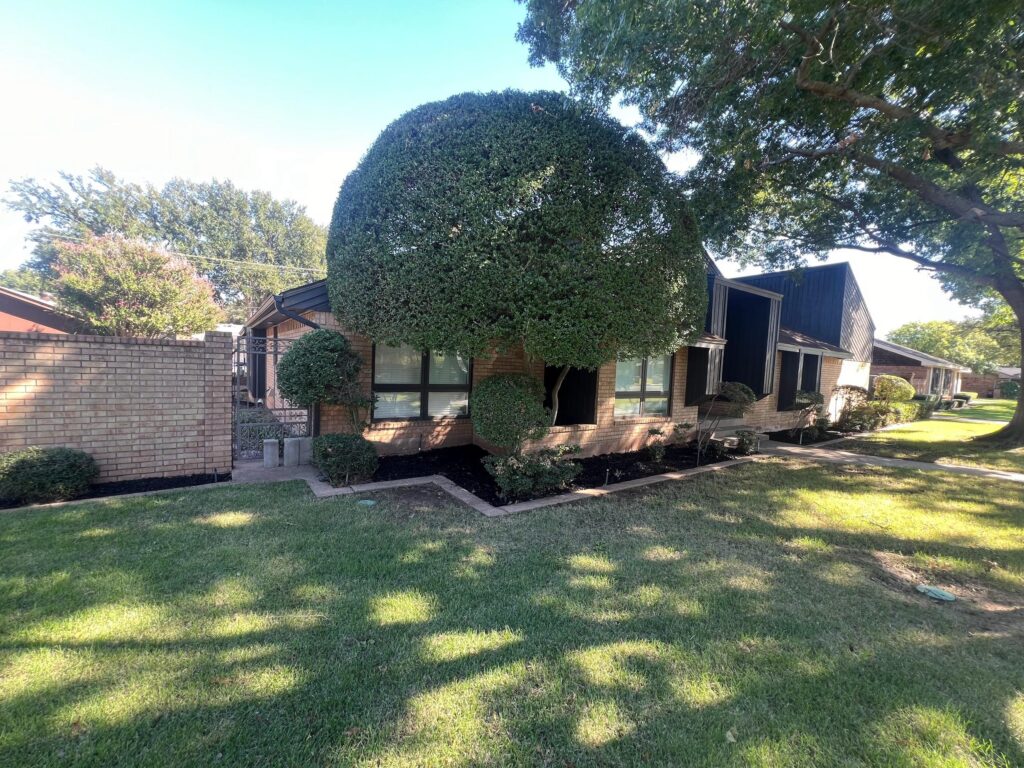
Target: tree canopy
966, 343
893, 128
248, 244
516, 218
120, 287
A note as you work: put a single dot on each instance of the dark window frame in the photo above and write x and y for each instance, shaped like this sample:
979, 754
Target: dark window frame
643, 393
423, 389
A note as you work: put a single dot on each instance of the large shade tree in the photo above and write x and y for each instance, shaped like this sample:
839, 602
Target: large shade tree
247, 244
894, 128
966, 342
493, 220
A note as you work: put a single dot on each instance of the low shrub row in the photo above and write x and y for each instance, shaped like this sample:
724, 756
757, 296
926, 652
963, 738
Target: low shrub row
876, 414
38, 475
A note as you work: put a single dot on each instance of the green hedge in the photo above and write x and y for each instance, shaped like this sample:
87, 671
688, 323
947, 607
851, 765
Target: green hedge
892, 389
33, 475
344, 459
875, 414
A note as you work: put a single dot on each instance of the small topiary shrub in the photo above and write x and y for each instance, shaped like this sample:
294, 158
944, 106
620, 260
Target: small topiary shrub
32, 475
746, 442
508, 409
656, 447
526, 475
892, 389
321, 367
344, 458
737, 397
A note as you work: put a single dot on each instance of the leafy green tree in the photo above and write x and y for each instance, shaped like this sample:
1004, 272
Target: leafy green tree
965, 343
24, 280
516, 218
246, 243
120, 287
891, 127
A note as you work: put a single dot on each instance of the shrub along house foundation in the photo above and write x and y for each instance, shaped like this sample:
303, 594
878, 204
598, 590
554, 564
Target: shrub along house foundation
422, 396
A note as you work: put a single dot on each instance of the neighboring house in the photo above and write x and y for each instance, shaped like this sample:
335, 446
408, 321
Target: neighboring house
825, 304
990, 384
422, 397
25, 312
928, 374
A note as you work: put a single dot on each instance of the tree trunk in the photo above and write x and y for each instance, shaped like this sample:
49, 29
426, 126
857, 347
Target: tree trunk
554, 393
1014, 431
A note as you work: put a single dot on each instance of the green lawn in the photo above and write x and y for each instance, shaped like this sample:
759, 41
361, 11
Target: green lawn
943, 441
760, 616
990, 410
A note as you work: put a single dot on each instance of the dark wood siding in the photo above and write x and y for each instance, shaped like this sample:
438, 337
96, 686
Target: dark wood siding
751, 340
823, 302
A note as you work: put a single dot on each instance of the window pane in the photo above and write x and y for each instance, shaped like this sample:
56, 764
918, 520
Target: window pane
396, 405
448, 369
656, 406
397, 365
448, 404
627, 406
627, 375
658, 369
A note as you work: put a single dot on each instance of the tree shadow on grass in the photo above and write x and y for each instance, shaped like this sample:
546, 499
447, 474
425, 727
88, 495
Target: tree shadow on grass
689, 624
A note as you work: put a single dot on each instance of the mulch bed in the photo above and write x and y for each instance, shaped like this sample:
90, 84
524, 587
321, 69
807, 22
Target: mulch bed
809, 438
100, 490
462, 465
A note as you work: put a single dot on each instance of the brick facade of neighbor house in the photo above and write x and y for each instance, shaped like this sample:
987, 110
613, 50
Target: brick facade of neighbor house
984, 384
609, 433
142, 408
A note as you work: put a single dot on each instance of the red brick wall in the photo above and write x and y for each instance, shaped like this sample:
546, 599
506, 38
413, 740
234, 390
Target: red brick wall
141, 407
985, 386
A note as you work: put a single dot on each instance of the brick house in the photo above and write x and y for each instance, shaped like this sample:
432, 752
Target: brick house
24, 312
928, 374
990, 384
422, 396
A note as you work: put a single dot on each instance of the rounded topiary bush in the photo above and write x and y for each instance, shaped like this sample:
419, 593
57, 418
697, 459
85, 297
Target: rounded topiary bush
319, 367
516, 218
32, 475
892, 389
508, 409
737, 397
344, 458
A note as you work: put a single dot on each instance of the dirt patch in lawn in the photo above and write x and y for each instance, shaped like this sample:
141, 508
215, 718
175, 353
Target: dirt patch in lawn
986, 608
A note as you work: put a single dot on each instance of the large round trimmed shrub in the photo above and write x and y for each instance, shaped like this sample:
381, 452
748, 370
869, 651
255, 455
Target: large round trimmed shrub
32, 475
508, 409
892, 389
516, 218
344, 458
318, 367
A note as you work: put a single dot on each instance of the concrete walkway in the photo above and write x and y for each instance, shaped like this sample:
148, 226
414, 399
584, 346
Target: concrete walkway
817, 453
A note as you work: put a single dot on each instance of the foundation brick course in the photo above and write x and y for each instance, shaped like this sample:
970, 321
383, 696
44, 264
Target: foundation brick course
141, 408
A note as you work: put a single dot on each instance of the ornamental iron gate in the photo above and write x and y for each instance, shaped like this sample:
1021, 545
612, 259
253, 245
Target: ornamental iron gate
258, 411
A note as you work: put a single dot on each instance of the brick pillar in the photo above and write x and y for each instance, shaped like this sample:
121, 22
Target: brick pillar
217, 401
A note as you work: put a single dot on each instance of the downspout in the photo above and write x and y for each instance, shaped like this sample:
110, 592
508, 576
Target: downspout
280, 307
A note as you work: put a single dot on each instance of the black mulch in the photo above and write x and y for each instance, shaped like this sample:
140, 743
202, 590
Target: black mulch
100, 490
462, 465
810, 437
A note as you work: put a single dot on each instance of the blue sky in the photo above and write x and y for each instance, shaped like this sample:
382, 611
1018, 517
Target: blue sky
278, 96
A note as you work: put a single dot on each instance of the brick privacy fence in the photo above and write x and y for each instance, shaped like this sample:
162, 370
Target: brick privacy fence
142, 408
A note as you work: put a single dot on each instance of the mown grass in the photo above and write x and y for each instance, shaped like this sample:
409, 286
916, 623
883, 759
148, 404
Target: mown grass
941, 441
743, 618
989, 410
